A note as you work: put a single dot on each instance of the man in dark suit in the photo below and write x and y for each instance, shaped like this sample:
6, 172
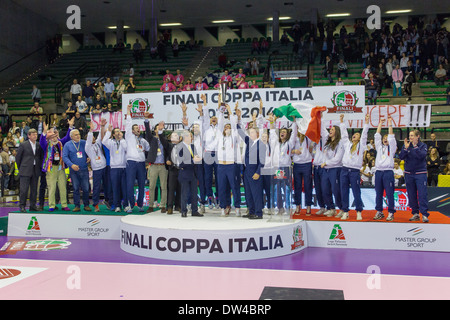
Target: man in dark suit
173, 186
254, 158
29, 162
187, 175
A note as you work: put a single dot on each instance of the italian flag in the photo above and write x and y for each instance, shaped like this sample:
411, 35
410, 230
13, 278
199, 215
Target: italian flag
307, 117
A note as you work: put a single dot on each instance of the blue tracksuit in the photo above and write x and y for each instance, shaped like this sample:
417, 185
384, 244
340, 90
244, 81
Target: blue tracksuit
416, 177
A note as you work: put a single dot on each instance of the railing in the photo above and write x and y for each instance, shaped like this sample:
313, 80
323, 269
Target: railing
99, 69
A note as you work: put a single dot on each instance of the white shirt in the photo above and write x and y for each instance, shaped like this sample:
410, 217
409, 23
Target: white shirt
33, 146
354, 159
331, 158
136, 146
210, 138
385, 154
95, 153
318, 149
305, 156
281, 152
117, 151
397, 172
75, 89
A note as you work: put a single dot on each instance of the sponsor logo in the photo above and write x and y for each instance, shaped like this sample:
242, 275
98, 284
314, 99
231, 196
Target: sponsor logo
14, 246
344, 102
337, 236
33, 228
91, 230
298, 238
140, 106
413, 240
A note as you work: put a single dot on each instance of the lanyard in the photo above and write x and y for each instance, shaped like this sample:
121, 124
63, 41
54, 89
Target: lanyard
383, 150
359, 146
77, 148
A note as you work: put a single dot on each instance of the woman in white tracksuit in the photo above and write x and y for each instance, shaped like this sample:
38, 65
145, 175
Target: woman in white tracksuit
302, 172
351, 165
333, 151
281, 145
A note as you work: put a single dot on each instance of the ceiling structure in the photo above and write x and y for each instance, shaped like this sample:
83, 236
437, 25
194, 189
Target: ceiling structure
98, 15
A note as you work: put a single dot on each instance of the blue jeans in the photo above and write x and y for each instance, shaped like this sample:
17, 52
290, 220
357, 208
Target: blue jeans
80, 179
352, 178
395, 89
372, 96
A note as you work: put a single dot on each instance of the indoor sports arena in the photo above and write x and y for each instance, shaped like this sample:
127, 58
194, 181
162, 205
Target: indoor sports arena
224, 151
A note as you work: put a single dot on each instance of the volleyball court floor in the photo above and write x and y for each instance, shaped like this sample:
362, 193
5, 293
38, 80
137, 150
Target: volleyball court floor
99, 269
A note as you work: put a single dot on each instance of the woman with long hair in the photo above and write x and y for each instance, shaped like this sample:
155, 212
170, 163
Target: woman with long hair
384, 174
433, 165
302, 172
351, 165
333, 151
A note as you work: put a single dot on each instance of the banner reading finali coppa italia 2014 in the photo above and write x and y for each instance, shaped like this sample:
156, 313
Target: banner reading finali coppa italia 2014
167, 106
349, 100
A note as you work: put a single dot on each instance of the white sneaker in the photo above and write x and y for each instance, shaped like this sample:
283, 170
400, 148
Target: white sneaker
238, 212
222, 214
330, 213
344, 216
320, 212
358, 215
339, 214
390, 217
117, 209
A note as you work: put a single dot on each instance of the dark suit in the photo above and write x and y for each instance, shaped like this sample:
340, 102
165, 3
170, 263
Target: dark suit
254, 158
187, 177
29, 164
153, 142
173, 186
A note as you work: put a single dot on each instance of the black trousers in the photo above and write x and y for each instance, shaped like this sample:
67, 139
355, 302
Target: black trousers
28, 183
173, 189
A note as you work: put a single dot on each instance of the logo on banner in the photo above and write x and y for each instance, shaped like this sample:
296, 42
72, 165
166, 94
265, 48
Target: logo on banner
413, 240
337, 237
33, 227
89, 230
14, 246
401, 201
344, 102
139, 107
297, 236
